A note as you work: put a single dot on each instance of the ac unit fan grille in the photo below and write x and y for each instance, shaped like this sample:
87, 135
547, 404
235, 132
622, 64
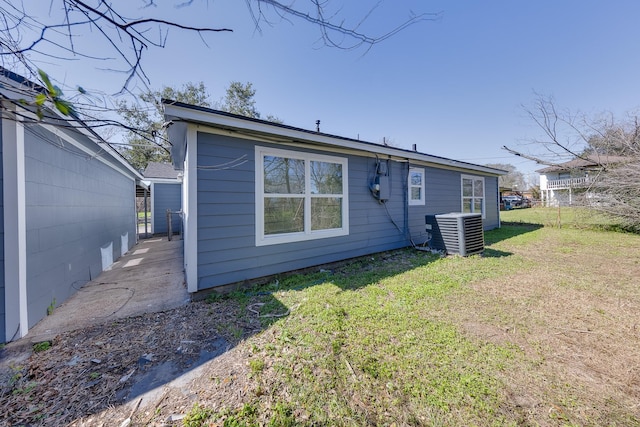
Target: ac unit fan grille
457, 233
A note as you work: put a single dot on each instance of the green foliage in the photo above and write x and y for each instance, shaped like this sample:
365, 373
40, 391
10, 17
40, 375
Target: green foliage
41, 346
51, 308
197, 416
256, 366
565, 217
216, 297
26, 389
147, 137
282, 416
240, 100
53, 95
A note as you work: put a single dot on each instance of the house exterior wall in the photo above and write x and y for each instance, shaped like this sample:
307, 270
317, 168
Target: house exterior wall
166, 196
80, 215
443, 194
226, 212
226, 241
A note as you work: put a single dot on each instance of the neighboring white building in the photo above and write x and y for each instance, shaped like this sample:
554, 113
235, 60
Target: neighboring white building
559, 184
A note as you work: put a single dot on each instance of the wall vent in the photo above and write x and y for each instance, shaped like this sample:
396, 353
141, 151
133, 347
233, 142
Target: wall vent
456, 233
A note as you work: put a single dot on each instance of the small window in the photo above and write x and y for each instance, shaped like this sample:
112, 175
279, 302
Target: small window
473, 194
416, 186
299, 196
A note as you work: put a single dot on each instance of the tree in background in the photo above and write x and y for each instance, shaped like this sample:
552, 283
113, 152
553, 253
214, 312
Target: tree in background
240, 100
146, 137
613, 145
514, 179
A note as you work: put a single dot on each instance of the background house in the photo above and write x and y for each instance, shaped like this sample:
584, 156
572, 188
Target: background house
67, 207
166, 194
559, 184
262, 198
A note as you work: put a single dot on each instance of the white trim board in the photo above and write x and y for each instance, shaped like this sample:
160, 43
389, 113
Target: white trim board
15, 230
190, 210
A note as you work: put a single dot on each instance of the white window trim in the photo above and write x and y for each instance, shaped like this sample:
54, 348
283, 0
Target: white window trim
308, 234
484, 193
421, 201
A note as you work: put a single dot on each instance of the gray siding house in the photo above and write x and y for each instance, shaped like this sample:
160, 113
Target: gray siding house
261, 198
68, 208
166, 194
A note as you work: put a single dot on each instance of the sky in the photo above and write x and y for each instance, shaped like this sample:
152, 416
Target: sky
457, 87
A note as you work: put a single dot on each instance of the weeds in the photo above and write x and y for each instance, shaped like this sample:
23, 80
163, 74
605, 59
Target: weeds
197, 416
41, 346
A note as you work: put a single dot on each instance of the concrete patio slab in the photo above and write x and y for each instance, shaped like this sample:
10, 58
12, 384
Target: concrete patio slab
149, 278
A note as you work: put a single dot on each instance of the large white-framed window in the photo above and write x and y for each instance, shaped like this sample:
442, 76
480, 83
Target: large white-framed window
473, 194
416, 186
300, 196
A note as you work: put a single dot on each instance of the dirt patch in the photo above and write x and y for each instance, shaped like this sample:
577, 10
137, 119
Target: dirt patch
99, 375
575, 319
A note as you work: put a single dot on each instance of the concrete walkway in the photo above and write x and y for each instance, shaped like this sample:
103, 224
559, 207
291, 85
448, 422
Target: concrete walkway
149, 278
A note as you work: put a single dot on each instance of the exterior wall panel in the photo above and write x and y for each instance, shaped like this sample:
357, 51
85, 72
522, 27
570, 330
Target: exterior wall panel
75, 206
166, 196
227, 251
443, 192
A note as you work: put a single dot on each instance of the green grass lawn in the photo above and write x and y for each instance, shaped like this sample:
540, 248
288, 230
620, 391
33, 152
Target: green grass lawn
409, 338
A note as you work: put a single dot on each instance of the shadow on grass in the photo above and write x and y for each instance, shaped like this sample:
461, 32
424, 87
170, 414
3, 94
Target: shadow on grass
362, 271
493, 253
509, 230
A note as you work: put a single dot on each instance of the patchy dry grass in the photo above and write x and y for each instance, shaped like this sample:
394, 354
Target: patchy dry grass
542, 330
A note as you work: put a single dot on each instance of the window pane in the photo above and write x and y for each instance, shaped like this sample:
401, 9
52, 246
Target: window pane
478, 188
467, 187
466, 205
283, 215
283, 176
477, 205
326, 213
416, 178
326, 178
416, 193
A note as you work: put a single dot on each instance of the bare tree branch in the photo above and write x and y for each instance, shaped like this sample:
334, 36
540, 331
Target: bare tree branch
603, 150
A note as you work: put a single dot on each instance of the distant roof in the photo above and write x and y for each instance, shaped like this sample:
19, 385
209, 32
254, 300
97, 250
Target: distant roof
584, 163
160, 170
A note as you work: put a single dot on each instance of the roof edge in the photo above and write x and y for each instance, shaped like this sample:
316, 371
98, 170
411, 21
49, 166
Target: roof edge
225, 120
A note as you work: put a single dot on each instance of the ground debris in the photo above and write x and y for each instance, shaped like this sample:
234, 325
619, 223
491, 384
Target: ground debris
88, 371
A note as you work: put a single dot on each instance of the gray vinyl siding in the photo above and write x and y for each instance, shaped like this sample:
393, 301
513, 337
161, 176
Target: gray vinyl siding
227, 250
75, 205
2, 296
492, 208
166, 196
443, 194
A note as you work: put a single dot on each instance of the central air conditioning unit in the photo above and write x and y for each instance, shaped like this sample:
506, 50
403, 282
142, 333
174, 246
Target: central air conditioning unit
456, 233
